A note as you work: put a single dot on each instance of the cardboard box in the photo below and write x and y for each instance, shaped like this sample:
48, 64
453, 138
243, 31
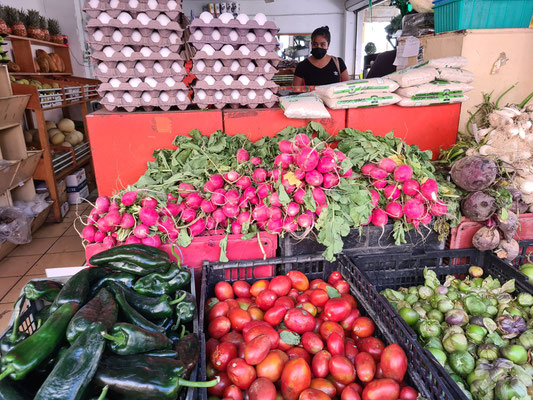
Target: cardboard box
61, 186
75, 179
79, 188
78, 197
64, 208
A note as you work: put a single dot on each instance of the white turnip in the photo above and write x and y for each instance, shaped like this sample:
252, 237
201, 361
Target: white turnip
188, 215
153, 241
508, 226
319, 196
141, 231
430, 189
308, 159
102, 204
256, 161
394, 210
403, 173
486, 238
474, 173
391, 192
387, 164
478, 206
194, 201
129, 198
314, 178
326, 164
410, 187
127, 221
330, 180
88, 233
367, 169
379, 217
260, 213
302, 140
219, 197
292, 209
413, 209
259, 175
242, 156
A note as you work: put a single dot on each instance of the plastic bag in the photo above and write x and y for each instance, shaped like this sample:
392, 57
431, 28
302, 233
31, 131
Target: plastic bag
434, 88
455, 74
304, 106
448, 62
34, 207
15, 226
363, 100
417, 75
431, 101
364, 86
418, 24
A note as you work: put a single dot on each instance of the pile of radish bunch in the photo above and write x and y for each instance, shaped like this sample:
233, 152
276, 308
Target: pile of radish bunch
274, 199
398, 195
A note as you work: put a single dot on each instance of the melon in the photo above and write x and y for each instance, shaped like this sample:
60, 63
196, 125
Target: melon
66, 144
72, 138
66, 125
52, 132
28, 137
58, 138
50, 125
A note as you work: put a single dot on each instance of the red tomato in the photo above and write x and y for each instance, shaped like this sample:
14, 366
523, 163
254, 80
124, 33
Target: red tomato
241, 289
263, 330
233, 337
350, 299
298, 352
272, 366
257, 349
310, 308
312, 343
224, 291
233, 392
232, 303
238, 318
218, 389
328, 327
324, 286
319, 297
218, 310
314, 283
256, 313
294, 293
337, 309
365, 367
299, 321
357, 387
298, 280
282, 345
240, 350
339, 387
408, 393
313, 394
303, 298
342, 370
262, 389
252, 324
285, 301
258, 287
379, 371
335, 344
320, 364
349, 393
394, 362
210, 346
363, 327
324, 386
240, 373
219, 327
275, 315
318, 324
280, 285
210, 303
334, 277
342, 287
371, 345
244, 303
266, 299
382, 389
350, 350
348, 322
223, 354
295, 378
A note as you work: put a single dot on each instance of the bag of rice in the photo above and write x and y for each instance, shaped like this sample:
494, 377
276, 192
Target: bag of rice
341, 89
431, 101
363, 100
304, 106
455, 74
434, 88
448, 62
417, 75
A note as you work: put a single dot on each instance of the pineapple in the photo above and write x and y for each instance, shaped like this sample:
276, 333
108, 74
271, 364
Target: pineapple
43, 23
14, 21
55, 31
32, 25
3, 25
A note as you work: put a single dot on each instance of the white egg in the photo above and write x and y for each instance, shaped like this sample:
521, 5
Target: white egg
227, 49
147, 98
235, 94
128, 98
108, 51
114, 82
170, 82
117, 36
251, 37
110, 97
261, 80
235, 66
143, 18
233, 35
146, 52
268, 94
225, 17
201, 94
155, 37
244, 50
93, 3
172, 5
261, 19
208, 49
219, 95
251, 67
268, 67
152, 4
252, 94
163, 19
140, 68
124, 18
122, 67
98, 35
103, 68
104, 18
132, 3
158, 68
262, 51
114, 3
200, 65
216, 35
209, 80
243, 19
181, 95
151, 82
176, 67
174, 38
268, 36
198, 34
135, 82
244, 80
165, 52
163, 96
206, 17
228, 80
136, 36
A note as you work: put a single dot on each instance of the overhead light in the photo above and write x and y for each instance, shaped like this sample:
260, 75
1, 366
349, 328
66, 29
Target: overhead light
269, 1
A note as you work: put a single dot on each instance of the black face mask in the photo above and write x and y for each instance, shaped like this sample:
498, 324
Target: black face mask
319, 52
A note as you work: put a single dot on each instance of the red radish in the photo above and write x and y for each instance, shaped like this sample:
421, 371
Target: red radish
256, 161
305, 220
109, 242
292, 209
308, 159
319, 209
387, 164
113, 218
367, 222
217, 181
367, 169
102, 204
263, 190
403, 173
275, 174
113, 207
184, 189
194, 201
330, 180
378, 184
170, 197
260, 213
232, 176
326, 164
430, 189
88, 233
236, 228
153, 241
243, 202
413, 208
410, 187
379, 217
219, 197
210, 223
302, 140
197, 228
242, 156
420, 198
209, 187
172, 235
233, 197
254, 200
299, 174
133, 240
275, 213
173, 209
259, 175
148, 216
287, 186
249, 193
391, 192
274, 199
426, 219
340, 156
219, 216
290, 225
244, 217
243, 182
188, 215
285, 146
166, 225
129, 198
394, 210
299, 196
285, 160
328, 151
141, 231
127, 221
347, 174
314, 178
319, 196
378, 173
275, 226
375, 197
231, 211
99, 237
437, 209
207, 206
103, 225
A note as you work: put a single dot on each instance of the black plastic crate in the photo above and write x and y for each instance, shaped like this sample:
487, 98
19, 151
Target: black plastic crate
404, 270
526, 252
421, 374
370, 240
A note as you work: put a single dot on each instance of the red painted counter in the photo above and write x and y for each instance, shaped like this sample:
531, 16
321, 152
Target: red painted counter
122, 143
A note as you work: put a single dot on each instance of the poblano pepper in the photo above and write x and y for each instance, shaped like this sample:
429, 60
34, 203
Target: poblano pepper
157, 284
42, 289
127, 339
9, 392
13, 335
185, 308
125, 278
137, 259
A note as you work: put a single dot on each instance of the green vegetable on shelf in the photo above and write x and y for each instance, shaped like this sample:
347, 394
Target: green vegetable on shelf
157, 284
42, 289
125, 278
133, 258
128, 339
185, 308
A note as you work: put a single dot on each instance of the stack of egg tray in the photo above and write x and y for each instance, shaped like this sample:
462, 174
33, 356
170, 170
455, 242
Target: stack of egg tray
235, 61
136, 51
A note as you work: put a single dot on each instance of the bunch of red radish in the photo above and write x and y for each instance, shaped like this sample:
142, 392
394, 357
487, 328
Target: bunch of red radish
230, 201
298, 340
398, 195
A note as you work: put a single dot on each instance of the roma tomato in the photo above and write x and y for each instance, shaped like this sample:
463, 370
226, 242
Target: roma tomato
312, 343
241, 289
299, 321
303, 298
295, 378
290, 336
348, 322
320, 364
294, 293
350, 299
262, 389
218, 310
408, 393
218, 389
257, 349
252, 325
379, 371
337, 309
266, 299
342, 370
382, 389
256, 313
223, 354
363, 327
233, 337
324, 386
263, 330
232, 303
357, 387
339, 387
240, 350
298, 280
233, 392
210, 346
371, 345
310, 308
365, 367
275, 315
328, 327
342, 287
313, 394
244, 303
238, 318
224, 291
285, 301
394, 362
334, 278
240, 373
280, 285
349, 393
319, 297
314, 283
350, 350
298, 352
335, 344
272, 366
210, 303
219, 327
258, 287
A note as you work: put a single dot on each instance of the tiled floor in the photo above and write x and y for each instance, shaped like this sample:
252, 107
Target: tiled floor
53, 246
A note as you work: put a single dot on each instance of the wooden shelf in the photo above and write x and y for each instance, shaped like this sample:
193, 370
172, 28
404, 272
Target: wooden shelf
39, 73
72, 168
36, 41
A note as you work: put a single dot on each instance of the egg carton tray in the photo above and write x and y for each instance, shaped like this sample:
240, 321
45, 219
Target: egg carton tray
108, 31
137, 84
115, 14
225, 28
236, 70
139, 103
236, 85
217, 45
243, 101
242, 59
175, 69
136, 56
134, 23
115, 7
174, 41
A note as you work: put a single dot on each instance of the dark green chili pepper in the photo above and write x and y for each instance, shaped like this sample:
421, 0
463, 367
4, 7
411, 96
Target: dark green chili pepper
185, 308
127, 339
13, 335
42, 289
125, 278
9, 392
157, 284
137, 259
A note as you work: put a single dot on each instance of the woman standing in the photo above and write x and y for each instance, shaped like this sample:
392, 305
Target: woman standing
320, 68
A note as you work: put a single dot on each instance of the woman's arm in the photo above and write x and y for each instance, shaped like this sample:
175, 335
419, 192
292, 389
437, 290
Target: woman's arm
297, 81
345, 76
